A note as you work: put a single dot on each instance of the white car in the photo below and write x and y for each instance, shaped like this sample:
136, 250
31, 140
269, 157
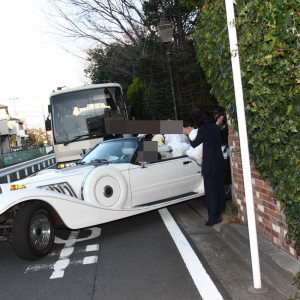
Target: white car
108, 184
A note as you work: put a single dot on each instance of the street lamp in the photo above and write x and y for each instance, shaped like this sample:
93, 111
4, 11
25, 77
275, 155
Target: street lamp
165, 30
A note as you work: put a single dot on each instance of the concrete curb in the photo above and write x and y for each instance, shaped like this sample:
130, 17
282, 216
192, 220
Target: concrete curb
277, 267
276, 275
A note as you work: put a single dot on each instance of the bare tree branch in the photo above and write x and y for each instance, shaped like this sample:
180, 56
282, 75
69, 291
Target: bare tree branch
105, 21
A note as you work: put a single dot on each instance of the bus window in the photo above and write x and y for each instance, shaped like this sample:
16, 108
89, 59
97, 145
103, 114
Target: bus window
82, 112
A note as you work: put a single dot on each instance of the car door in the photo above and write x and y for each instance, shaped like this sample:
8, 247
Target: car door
163, 180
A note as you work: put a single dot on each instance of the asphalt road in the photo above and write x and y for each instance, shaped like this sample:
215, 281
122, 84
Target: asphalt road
148, 256
68, 272
134, 258
139, 260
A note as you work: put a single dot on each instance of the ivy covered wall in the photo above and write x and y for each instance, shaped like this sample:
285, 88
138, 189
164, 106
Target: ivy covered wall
268, 37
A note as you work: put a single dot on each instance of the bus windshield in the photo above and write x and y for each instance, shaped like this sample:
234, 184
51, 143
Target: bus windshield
78, 115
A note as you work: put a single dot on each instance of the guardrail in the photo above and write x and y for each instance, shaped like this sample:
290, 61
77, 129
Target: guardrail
17, 157
26, 168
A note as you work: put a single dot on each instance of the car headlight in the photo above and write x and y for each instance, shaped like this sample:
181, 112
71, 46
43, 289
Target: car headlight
15, 187
66, 165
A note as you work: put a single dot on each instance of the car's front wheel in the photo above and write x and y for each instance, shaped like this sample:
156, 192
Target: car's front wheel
33, 232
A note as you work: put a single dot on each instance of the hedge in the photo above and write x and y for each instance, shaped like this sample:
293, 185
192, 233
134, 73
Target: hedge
268, 40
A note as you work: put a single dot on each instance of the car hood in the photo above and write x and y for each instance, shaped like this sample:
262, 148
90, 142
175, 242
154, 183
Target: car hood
48, 177
72, 176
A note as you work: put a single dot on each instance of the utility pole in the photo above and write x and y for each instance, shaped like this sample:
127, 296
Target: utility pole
15, 107
240, 108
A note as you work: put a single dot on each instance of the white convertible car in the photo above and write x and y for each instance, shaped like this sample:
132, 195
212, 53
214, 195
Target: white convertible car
108, 184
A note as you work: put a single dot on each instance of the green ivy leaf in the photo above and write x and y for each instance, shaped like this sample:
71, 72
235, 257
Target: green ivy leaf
289, 110
269, 57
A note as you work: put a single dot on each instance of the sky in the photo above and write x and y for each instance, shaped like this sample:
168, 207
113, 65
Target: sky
34, 60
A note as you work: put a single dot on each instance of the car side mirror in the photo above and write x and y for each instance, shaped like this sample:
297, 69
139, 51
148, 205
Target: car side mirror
144, 164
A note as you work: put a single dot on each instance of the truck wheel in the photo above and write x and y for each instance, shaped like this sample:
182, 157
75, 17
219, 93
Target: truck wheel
33, 232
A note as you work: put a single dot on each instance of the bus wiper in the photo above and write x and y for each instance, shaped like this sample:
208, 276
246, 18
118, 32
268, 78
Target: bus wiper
76, 138
100, 161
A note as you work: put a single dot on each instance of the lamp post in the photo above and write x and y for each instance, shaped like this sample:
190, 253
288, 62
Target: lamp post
165, 30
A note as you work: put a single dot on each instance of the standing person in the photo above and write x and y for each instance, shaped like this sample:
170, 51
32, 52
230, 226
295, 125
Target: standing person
213, 166
220, 119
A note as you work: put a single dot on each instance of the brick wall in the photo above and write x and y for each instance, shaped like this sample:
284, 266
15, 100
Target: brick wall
270, 219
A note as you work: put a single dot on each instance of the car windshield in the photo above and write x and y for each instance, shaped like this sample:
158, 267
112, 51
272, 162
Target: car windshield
112, 151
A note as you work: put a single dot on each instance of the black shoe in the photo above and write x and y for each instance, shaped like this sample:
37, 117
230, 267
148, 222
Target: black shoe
213, 223
209, 224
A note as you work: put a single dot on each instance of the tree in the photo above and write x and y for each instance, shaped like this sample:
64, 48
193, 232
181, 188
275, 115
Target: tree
36, 137
190, 83
113, 63
269, 54
135, 95
104, 22
128, 46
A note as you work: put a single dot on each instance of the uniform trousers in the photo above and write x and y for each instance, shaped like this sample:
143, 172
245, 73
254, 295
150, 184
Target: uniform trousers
215, 196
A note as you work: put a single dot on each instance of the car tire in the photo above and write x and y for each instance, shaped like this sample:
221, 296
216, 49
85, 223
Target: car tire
33, 232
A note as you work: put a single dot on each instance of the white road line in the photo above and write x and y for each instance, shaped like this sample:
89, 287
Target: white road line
203, 282
59, 268
63, 262
90, 260
78, 249
66, 252
57, 265
94, 232
90, 248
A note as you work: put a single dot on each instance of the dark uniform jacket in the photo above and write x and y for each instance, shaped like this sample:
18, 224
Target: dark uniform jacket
210, 135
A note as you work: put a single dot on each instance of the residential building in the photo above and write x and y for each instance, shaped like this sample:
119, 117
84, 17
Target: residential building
16, 127
4, 130
11, 127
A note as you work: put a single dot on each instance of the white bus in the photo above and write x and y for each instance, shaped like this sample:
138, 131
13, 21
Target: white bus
77, 118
